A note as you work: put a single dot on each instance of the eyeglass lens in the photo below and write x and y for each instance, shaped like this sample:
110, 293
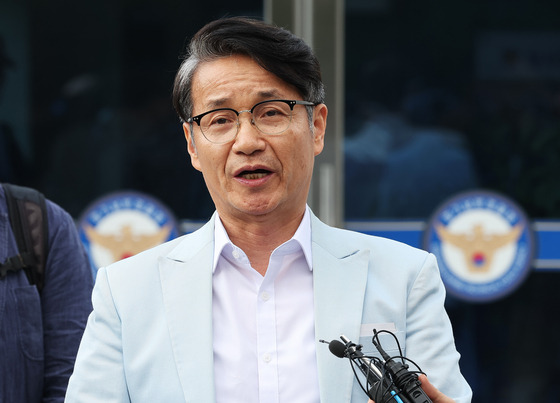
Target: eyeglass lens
221, 125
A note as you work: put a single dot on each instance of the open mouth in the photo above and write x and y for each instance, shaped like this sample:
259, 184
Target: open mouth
257, 174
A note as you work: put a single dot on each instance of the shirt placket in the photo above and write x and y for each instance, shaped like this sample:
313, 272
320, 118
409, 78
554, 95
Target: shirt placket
266, 338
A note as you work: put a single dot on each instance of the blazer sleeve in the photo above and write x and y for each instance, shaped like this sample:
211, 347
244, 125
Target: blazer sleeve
429, 336
99, 373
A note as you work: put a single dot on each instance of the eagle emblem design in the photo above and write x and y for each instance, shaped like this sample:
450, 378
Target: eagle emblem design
123, 224
483, 243
126, 243
478, 246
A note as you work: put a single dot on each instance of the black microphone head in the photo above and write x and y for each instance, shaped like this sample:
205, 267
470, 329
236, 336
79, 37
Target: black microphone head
337, 348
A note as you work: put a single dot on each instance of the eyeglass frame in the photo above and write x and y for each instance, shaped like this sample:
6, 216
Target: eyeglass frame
290, 102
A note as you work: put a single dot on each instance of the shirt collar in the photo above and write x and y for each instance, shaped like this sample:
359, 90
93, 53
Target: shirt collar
301, 236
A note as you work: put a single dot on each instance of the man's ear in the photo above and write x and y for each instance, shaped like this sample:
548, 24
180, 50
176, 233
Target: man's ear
319, 127
191, 147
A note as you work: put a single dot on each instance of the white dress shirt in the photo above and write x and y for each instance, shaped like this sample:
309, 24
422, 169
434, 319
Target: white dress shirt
263, 327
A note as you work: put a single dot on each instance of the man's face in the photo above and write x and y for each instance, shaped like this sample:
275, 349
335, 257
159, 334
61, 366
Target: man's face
255, 174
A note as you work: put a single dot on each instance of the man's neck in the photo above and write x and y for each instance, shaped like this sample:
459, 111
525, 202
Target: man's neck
259, 237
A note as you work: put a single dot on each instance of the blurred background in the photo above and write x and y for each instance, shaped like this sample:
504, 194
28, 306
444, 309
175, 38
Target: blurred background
430, 98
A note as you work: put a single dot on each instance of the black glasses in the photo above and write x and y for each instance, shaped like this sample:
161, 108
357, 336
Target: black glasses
269, 117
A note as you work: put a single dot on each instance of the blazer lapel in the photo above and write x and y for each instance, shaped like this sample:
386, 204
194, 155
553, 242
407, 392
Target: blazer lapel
186, 280
339, 281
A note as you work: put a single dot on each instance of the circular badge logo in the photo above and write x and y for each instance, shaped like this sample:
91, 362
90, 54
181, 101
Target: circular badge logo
123, 224
483, 243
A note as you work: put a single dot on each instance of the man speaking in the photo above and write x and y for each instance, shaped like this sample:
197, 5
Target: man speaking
234, 311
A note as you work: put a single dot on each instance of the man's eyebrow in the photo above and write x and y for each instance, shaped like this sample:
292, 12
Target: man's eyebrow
269, 94
216, 103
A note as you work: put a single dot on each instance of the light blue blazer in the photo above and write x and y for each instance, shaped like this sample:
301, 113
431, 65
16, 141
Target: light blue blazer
149, 337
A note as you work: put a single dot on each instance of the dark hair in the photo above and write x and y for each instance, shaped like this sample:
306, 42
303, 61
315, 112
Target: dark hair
273, 48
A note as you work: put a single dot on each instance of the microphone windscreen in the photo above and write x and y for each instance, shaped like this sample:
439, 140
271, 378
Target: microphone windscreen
337, 348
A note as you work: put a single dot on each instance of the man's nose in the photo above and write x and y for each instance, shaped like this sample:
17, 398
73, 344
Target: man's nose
251, 119
249, 139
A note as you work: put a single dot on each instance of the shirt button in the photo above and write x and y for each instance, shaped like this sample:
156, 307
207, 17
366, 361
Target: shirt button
236, 254
265, 296
267, 358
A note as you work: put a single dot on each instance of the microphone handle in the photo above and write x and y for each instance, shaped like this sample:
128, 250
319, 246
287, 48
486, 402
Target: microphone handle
375, 378
407, 382
414, 390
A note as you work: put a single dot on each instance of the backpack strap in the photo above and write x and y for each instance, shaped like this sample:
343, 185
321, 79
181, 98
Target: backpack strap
28, 218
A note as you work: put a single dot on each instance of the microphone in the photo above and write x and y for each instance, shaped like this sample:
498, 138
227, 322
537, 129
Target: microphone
375, 378
405, 380
386, 379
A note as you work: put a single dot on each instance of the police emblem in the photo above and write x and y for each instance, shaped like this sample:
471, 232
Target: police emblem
483, 243
123, 224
